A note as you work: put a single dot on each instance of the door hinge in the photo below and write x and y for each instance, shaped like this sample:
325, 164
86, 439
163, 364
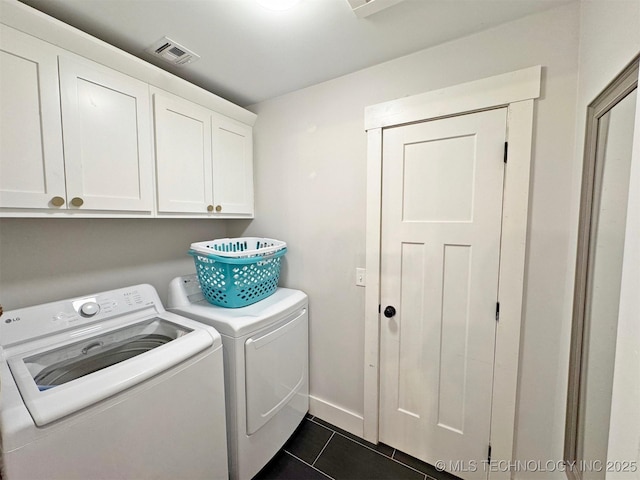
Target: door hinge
497, 311
489, 454
506, 151
379, 308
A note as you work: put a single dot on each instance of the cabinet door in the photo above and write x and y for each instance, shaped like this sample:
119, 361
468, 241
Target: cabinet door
31, 158
107, 138
232, 166
183, 156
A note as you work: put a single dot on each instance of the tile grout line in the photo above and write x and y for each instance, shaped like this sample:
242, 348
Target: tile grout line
323, 448
315, 468
365, 446
312, 420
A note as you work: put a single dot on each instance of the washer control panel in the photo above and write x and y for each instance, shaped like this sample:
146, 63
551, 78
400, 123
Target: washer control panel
31, 322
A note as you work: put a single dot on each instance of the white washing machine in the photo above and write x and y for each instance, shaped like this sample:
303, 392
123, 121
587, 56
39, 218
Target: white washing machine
266, 367
110, 386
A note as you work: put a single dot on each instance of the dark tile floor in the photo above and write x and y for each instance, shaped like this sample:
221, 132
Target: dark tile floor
318, 450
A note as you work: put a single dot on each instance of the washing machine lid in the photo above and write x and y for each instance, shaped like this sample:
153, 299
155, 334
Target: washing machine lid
237, 322
59, 379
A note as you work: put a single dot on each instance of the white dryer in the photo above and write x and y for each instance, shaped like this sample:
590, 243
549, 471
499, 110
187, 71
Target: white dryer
110, 386
266, 367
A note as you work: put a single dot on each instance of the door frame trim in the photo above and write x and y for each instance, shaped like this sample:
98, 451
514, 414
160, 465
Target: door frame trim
516, 91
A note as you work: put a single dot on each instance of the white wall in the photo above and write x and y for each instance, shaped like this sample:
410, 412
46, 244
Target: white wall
609, 40
310, 164
43, 260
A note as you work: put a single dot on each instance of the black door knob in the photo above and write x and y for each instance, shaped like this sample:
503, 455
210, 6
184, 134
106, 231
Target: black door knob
389, 311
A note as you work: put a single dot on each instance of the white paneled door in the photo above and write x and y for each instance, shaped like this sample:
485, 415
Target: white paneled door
441, 229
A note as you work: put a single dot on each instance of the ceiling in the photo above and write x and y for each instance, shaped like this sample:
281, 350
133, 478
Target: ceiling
250, 53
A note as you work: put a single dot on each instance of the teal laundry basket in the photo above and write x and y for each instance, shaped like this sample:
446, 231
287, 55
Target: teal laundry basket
236, 272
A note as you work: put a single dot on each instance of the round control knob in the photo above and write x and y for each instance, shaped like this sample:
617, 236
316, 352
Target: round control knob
89, 309
218, 208
210, 208
77, 201
389, 311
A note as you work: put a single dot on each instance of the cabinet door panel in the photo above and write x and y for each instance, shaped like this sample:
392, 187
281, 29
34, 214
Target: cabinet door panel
183, 156
107, 137
31, 158
232, 166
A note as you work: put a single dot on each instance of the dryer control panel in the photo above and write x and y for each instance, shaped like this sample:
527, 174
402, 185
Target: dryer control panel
41, 320
185, 290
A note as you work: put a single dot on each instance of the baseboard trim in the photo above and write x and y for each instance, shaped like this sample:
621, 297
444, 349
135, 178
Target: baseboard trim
335, 415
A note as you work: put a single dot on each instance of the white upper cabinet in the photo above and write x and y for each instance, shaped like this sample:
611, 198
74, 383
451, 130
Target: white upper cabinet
204, 161
232, 166
183, 155
107, 138
77, 137
31, 158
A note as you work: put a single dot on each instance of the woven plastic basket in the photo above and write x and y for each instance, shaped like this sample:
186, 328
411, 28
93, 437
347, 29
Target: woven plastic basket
236, 272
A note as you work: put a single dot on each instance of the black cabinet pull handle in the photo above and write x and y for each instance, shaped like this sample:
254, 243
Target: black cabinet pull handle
389, 311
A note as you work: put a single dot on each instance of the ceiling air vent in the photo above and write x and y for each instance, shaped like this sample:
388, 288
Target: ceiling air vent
172, 52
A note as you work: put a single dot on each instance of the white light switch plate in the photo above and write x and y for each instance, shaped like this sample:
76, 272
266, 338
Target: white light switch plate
361, 274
